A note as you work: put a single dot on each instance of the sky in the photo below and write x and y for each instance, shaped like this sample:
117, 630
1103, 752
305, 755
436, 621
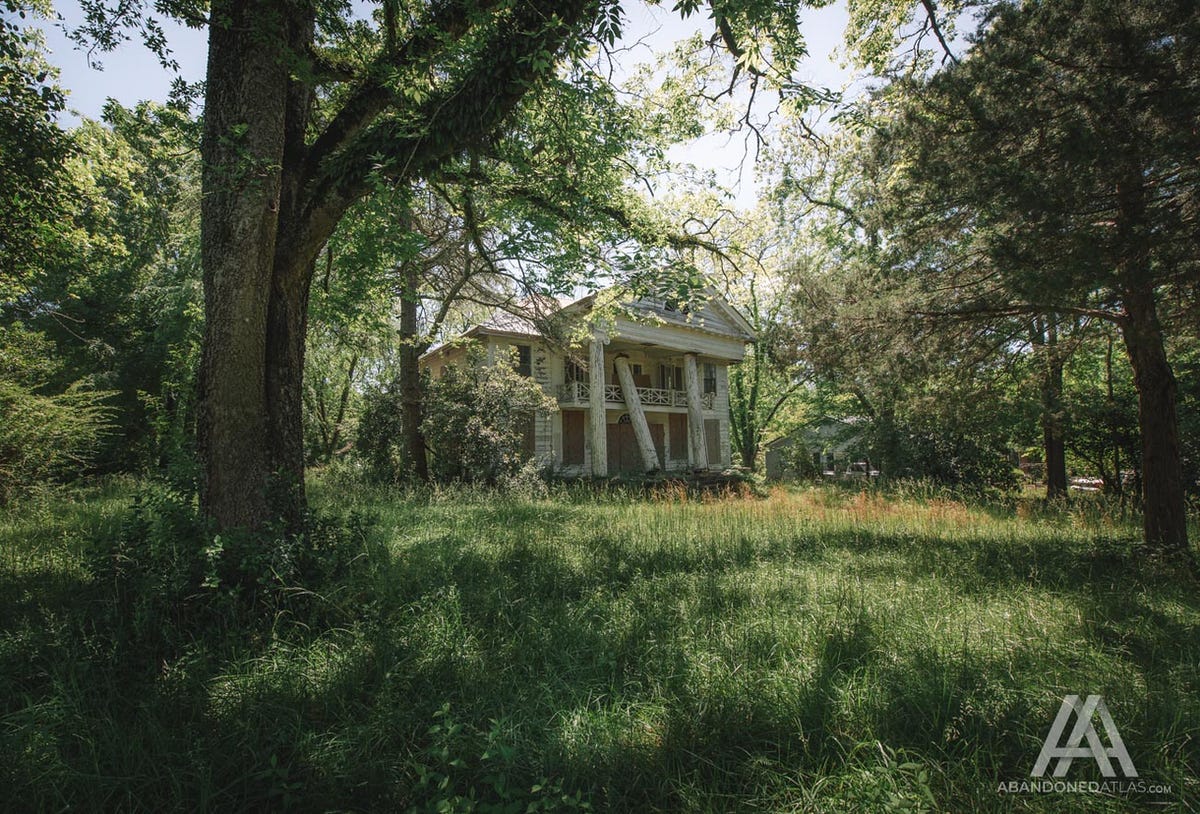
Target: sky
659, 28
132, 73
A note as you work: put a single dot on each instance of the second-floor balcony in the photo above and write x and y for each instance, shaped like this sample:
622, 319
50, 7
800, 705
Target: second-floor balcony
578, 394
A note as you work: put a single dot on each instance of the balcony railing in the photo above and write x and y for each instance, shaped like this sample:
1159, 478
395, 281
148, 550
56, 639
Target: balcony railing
579, 394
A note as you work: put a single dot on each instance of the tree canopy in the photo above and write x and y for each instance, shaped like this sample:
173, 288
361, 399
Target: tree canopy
947, 261
1057, 163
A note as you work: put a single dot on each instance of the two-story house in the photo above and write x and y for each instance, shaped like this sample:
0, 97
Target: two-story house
645, 390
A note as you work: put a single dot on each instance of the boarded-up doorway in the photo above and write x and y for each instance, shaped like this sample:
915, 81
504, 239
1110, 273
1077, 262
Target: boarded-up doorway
623, 453
712, 440
573, 440
677, 423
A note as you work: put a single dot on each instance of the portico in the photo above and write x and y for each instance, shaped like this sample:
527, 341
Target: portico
641, 392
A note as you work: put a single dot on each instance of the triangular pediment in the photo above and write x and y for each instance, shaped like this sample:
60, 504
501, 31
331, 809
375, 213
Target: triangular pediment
710, 312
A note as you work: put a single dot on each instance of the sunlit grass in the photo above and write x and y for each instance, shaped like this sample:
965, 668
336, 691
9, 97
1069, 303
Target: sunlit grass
803, 649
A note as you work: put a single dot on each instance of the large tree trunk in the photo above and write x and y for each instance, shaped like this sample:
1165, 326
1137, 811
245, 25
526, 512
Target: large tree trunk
287, 326
1163, 504
1053, 439
411, 397
296, 253
258, 250
243, 147
270, 202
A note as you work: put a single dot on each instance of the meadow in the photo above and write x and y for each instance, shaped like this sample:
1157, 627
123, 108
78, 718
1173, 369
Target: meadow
795, 649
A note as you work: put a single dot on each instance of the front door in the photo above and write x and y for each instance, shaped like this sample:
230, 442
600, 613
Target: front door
623, 453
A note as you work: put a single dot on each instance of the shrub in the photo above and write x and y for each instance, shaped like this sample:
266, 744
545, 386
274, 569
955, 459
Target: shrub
797, 460
476, 421
164, 578
149, 574
43, 437
923, 448
378, 441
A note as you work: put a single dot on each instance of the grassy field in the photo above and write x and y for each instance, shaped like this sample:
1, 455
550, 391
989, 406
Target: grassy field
807, 650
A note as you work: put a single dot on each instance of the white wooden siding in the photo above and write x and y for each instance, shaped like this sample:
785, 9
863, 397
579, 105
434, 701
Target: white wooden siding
669, 343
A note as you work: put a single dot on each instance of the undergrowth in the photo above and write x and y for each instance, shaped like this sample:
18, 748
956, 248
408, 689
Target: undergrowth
823, 649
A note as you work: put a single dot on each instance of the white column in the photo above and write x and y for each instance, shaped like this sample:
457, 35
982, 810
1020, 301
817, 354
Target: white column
597, 426
641, 428
691, 382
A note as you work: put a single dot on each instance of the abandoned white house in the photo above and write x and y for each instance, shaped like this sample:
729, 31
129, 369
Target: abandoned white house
646, 389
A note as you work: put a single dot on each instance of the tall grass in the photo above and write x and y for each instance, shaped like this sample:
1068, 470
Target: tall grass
806, 649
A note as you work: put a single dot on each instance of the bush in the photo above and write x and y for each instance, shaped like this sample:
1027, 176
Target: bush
476, 420
798, 463
925, 449
149, 575
165, 578
43, 437
378, 441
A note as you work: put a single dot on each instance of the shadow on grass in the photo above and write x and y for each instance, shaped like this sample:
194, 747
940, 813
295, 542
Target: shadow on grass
642, 712
1054, 561
474, 672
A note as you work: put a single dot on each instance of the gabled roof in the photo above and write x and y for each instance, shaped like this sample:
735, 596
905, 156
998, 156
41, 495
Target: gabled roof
824, 428
507, 323
721, 308
714, 316
735, 323
500, 323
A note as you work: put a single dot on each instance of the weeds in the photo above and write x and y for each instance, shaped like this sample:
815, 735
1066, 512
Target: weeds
800, 649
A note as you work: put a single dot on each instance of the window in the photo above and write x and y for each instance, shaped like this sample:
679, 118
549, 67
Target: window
670, 305
524, 360
671, 377
640, 377
710, 377
574, 372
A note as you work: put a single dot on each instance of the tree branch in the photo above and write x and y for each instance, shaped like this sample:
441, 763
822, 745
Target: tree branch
461, 112
448, 20
1018, 310
931, 12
